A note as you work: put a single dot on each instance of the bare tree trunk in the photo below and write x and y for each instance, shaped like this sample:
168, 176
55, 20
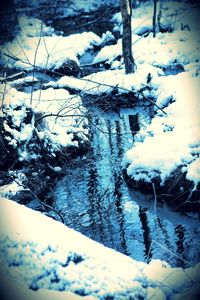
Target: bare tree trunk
154, 17
3, 150
126, 11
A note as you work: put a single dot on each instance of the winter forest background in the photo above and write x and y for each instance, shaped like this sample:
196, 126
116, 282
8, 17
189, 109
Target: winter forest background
99, 149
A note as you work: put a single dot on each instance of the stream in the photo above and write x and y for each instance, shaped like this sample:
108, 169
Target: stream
93, 196
95, 200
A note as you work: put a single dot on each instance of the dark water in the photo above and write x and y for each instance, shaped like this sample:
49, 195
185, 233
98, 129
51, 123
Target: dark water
95, 200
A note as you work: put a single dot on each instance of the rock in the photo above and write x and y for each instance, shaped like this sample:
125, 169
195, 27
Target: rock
70, 67
34, 174
57, 169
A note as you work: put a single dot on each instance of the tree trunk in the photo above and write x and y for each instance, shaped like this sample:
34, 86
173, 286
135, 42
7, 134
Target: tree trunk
126, 12
154, 17
3, 150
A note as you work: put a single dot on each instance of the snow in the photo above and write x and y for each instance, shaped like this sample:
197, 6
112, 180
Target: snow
181, 46
166, 49
40, 253
169, 141
43, 255
108, 52
32, 27
173, 13
65, 117
36, 45
105, 81
160, 148
142, 19
193, 172
10, 189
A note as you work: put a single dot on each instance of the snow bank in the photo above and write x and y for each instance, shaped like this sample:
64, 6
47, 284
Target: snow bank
105, 81
173, 13
39, 253
168, 50
169, 141
36, 45
65, 119
141, 22
178, 44
165, 50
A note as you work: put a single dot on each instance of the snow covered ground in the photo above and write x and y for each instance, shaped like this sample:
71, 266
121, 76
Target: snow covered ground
172, 139
39, 253
37, 46
65, 118
39, 256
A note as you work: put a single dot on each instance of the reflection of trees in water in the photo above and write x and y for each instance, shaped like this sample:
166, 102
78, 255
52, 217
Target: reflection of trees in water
146, 233
110, 134
95, 210
100, 187
116, 150
119, 139
164, 232
180, 233
104, 186
134, 124
118, 184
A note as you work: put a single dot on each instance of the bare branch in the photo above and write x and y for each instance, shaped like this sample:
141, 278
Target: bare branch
135, 93
40, 201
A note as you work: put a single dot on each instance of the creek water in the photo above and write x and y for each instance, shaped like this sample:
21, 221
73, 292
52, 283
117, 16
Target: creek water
95, 200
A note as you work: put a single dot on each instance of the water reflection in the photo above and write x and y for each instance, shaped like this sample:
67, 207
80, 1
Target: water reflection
180, 241
118, 193
146, 233
95, 200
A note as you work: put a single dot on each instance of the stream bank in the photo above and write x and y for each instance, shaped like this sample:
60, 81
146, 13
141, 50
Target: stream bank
110, 213
94, 199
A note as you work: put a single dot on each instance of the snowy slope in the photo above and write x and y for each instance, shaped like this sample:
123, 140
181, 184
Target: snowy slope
36, 45
39, 253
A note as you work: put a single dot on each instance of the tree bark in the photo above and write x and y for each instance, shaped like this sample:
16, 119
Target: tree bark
3, 150
126, 12
154, 17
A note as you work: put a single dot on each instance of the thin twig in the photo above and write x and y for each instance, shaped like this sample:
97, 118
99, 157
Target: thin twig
40, 201
168, 250
94, 81
3, 79
57, 115
155, 196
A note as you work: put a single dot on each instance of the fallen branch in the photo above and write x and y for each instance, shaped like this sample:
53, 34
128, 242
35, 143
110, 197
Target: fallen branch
4, 79
137, 94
